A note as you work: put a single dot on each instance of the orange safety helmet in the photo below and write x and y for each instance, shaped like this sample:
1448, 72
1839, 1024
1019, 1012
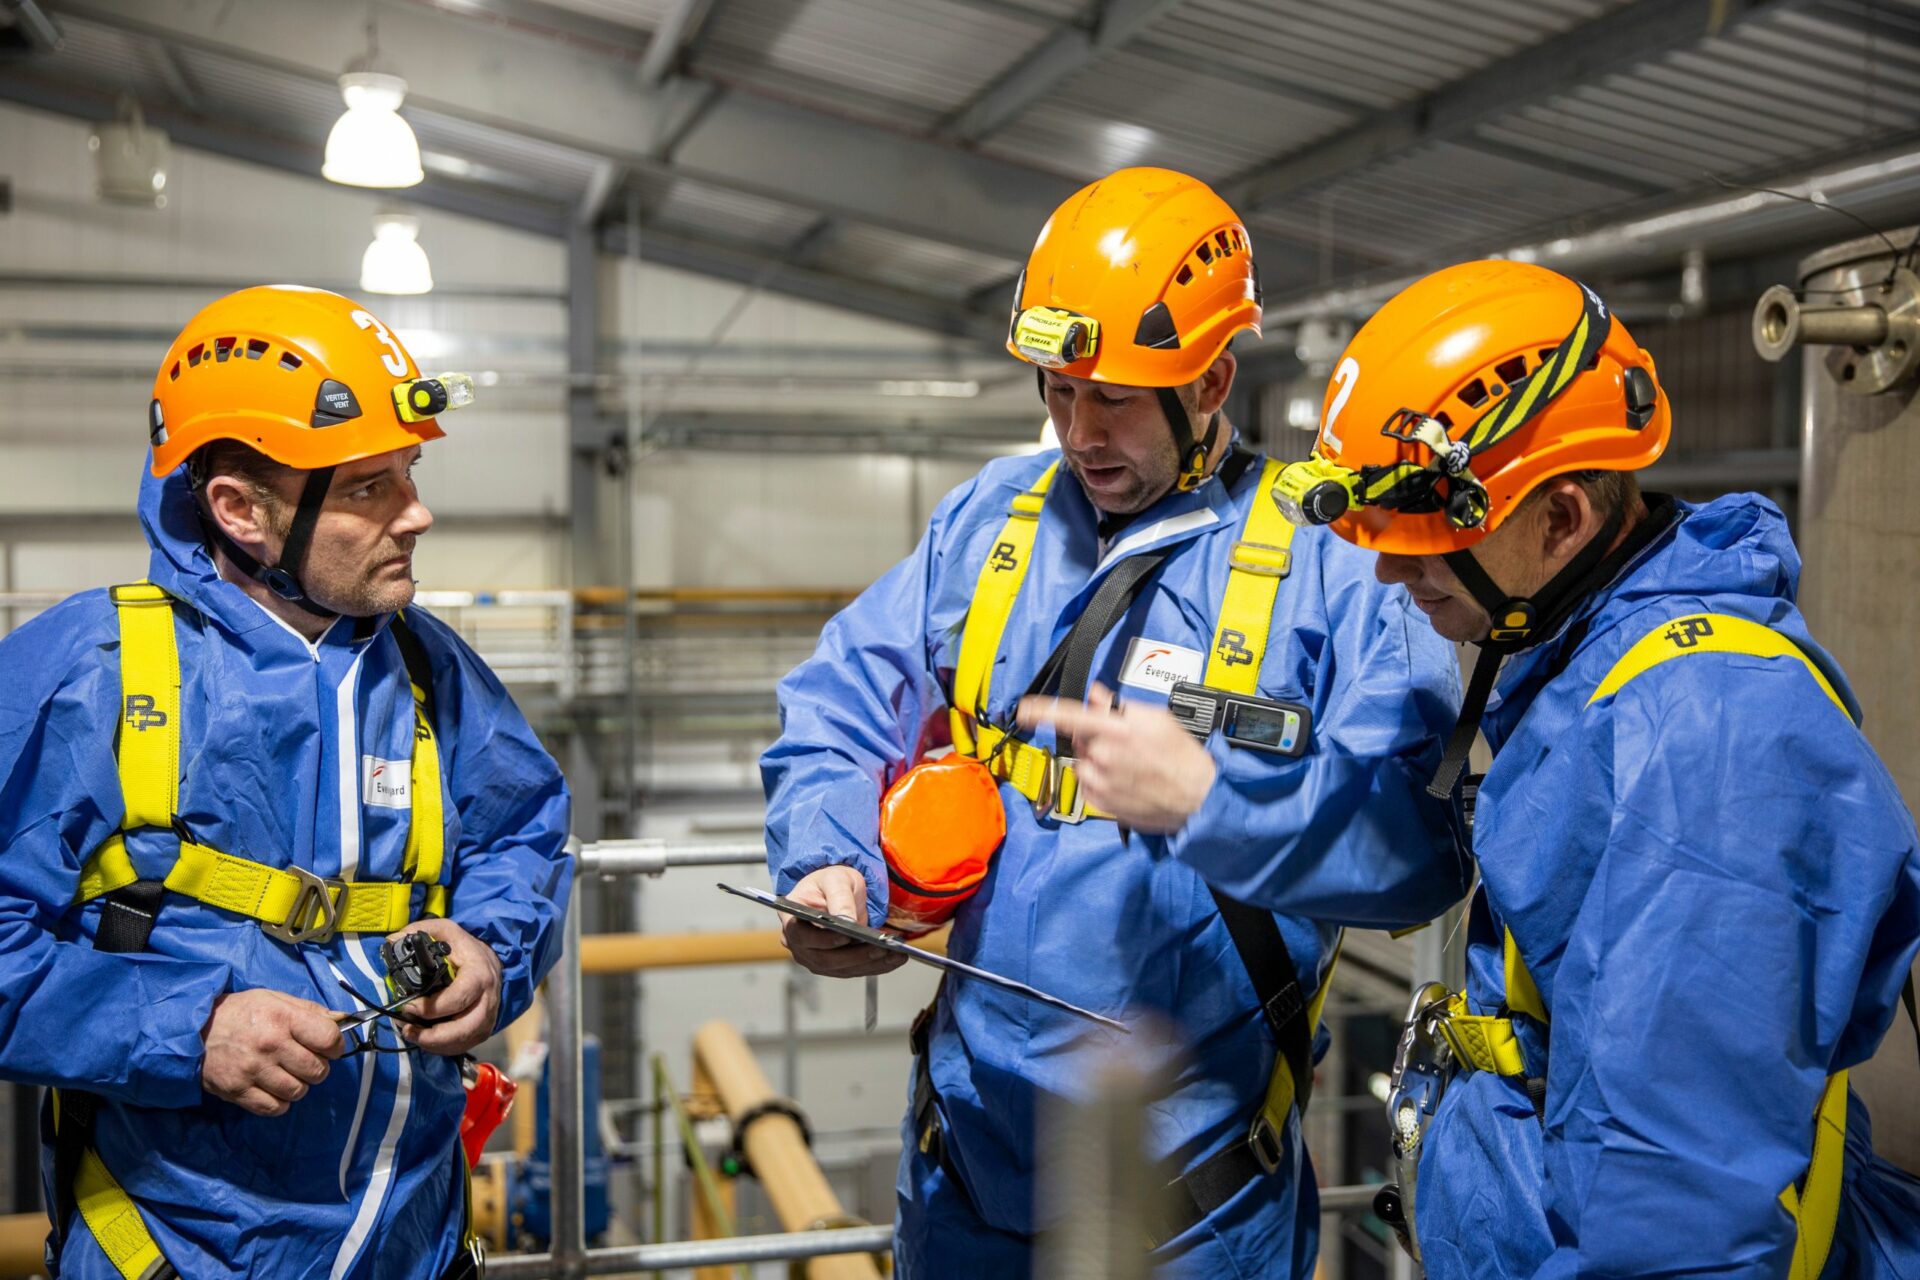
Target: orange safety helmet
304, 376
308, 378
1140, 279
940, 825
1460, 396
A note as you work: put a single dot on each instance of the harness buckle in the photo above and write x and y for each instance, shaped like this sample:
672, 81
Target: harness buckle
1052, 783
316, 902
1262, 558
1264, 1141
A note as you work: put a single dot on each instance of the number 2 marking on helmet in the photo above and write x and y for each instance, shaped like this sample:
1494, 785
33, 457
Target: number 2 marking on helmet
395, 362
1344, 377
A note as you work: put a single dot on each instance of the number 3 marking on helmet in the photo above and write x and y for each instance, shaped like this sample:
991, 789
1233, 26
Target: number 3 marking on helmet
395, 362
1344, 377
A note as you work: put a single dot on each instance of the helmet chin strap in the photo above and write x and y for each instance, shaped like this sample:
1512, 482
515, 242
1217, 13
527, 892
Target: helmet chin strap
1192, 454
1518, 622
282, 579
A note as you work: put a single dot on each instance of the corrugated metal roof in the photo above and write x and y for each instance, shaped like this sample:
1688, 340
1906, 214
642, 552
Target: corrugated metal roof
1128, 109
1216, 87
920, 58
1438, 198
923, 266
1782, 91
643, 14
716, 213
1373, 53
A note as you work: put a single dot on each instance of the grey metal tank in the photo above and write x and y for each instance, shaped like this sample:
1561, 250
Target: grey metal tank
1856, 317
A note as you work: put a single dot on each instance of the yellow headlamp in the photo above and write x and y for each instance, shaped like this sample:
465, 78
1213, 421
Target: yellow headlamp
1054, 338
424, 398
1315, 491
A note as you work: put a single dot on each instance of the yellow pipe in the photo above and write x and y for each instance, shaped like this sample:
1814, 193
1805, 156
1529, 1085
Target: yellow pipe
22, 1238
776, 1149
625, 952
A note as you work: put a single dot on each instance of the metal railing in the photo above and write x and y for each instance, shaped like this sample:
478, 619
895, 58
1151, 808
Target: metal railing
568, 1256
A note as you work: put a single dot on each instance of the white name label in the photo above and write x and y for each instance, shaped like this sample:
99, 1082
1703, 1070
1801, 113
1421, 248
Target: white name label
1155, 664
386, 783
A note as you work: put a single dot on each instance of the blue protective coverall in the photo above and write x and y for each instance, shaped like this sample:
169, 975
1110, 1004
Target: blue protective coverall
359, 1178
1715, 887
1342, 836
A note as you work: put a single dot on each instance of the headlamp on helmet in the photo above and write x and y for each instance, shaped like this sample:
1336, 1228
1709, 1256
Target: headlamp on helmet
1053, 337
424, 398
1315, 491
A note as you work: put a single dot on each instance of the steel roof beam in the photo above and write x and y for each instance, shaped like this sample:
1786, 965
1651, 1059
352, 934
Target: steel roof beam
753, 268
1622, 38
288, 155
501, 75
671, 40
1069, 49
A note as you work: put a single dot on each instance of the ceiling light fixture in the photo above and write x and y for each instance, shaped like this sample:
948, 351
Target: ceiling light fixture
370, 145
395, 262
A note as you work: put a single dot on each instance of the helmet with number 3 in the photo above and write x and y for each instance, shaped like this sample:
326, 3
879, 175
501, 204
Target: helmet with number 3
1460, 396
307, 377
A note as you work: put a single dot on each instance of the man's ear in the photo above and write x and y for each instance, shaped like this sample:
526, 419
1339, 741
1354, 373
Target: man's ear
1567, 520
1216, 383
236, 512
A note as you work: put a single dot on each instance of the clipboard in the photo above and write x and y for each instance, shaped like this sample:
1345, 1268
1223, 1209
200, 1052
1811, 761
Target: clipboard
899, 946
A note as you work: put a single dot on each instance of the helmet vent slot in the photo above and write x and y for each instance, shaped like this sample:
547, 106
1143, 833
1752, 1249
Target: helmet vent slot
1185, 276
289, 361
1445, 419
195, 356
223, 349
173, 374
1474, 394
1226, 245
1511, 371
256, 347
1204, 253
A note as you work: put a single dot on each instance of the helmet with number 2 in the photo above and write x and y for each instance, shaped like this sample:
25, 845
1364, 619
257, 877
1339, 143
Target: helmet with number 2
307, 377
1462, 395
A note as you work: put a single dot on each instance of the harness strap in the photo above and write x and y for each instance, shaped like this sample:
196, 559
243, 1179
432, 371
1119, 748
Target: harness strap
271, 895
148, 744
292, 903
1489, 1043
426, 826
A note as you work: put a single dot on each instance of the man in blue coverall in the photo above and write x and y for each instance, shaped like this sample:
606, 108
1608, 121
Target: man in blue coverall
1133, 291
222, 789
1700, 892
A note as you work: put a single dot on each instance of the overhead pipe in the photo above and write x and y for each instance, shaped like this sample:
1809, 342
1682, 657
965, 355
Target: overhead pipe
1654, 238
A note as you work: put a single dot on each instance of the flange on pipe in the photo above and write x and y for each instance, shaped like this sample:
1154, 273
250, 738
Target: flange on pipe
1871, 322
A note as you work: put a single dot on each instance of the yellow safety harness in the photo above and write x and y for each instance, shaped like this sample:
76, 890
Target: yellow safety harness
291, 904
1259, 560
1485, 1043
